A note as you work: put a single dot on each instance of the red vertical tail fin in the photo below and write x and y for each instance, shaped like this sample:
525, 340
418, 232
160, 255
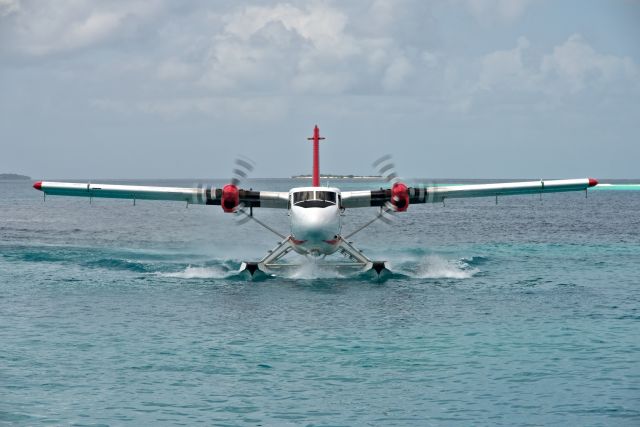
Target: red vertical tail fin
316, 156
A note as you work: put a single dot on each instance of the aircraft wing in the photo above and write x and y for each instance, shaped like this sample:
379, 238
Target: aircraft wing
205, 195
433, 194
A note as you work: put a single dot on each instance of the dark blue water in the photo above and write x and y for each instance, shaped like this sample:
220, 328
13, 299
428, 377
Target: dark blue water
524, 313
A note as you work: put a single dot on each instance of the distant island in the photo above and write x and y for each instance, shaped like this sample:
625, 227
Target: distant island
329, 176
13, 177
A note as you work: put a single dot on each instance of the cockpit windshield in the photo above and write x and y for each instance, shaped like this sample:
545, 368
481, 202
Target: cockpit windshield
314, 199
327, 196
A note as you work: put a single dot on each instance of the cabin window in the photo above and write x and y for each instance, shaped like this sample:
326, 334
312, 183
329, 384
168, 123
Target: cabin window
314, 199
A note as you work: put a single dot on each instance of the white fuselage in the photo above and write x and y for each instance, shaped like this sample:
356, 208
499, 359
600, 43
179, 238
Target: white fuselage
315, 219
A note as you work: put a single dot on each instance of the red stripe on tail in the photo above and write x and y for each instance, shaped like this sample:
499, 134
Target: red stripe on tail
316, 156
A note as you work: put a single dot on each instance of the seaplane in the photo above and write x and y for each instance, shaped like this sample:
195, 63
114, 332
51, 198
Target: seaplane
316, 213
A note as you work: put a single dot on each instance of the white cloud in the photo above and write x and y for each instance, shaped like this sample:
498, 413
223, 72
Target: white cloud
518, 77
285, 48
308, 49
576, 63
397, 73
43, 28
323, 25
276, 62
200, 54
94, 28
8, 7
506, 68
173, 69
490, 11
254, 108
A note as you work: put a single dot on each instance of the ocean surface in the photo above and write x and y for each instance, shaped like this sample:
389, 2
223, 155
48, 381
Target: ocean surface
522, 313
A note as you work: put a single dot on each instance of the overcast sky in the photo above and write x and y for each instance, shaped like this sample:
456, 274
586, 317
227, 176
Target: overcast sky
178, 89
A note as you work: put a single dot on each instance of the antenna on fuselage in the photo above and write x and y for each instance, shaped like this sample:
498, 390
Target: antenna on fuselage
316, 156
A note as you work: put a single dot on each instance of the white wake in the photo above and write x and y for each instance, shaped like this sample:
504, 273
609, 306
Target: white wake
437, 267
200, 273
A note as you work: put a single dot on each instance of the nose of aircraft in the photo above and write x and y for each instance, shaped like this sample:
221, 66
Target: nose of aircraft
315, 224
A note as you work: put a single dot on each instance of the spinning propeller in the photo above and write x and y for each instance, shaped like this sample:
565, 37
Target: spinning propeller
399, 200
398, 196
243, 167
400, 193
385, 167
229, 195
230, 198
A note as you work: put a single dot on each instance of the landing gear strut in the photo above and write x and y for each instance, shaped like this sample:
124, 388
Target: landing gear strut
356, 262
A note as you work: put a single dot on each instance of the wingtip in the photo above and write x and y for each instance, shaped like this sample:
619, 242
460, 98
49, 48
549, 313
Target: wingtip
593, 182
38, 185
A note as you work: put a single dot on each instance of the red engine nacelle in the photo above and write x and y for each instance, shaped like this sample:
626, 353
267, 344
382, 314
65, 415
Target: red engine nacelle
230, 198
400, 197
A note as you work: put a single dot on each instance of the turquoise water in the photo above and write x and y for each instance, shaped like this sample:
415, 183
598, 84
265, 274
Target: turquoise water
524, 313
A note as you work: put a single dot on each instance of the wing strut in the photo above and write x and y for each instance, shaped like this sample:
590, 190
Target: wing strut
248, 217
385, 215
